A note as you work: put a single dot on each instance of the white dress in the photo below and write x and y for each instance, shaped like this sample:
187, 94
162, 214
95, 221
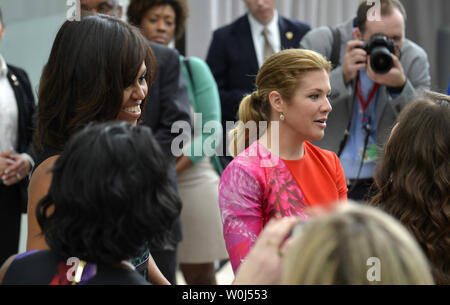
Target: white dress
203, 240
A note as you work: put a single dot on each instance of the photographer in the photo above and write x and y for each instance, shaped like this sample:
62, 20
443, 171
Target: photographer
366, 102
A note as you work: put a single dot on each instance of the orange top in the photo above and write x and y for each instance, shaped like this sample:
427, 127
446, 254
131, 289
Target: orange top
319, 175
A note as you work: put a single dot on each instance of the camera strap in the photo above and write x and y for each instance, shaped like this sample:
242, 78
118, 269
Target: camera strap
364, 105
367, 129
335, 48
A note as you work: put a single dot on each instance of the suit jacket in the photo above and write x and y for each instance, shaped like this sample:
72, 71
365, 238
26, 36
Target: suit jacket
415, 64
233, 61
164, 107
20, 84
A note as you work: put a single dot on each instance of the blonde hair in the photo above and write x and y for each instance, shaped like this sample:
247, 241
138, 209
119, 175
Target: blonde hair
281, 72
338, 248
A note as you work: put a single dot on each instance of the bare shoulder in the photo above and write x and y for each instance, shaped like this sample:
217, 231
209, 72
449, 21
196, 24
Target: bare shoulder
41, 179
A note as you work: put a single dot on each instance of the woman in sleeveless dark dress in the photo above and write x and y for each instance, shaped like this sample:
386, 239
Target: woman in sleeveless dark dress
99, 69
109, 193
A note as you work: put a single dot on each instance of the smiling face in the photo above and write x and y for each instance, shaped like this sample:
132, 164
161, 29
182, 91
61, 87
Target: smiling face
133, 96
159, 24
307, 111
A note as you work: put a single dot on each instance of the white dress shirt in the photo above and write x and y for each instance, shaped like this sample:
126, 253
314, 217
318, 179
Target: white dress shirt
273, 36
9, 113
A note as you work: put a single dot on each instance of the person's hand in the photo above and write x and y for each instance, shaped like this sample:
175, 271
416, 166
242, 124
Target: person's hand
262, 266
18, 168
182, 163
5, 161
355, 59
394, 78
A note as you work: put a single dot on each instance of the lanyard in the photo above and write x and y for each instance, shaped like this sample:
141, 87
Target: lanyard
365, 104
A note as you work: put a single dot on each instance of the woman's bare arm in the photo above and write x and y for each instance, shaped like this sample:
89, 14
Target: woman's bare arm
37, 189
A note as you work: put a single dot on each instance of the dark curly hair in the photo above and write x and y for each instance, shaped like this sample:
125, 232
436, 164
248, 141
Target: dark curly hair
91, 63
413, 177
109, 194
137, 9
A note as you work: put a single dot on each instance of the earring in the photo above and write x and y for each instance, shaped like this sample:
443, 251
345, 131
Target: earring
281, 117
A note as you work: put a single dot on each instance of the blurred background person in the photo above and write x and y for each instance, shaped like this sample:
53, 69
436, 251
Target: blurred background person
413, 178
355, 245
367, 100
161, 21
169, 103
110, 67
107, 7
109, 193
16, 129
351, 244
278, 171
239, 49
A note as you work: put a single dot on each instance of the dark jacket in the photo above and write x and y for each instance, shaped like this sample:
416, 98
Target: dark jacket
233, 62
21, 87
163, 108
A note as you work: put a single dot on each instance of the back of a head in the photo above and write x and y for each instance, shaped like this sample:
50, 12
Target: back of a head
281, 72
110, 194
91, 63
339, 248
413, 177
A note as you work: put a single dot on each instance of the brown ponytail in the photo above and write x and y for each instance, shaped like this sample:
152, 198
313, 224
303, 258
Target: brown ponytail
281, 72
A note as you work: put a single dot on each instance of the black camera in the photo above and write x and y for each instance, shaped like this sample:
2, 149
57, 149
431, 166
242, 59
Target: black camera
379, 48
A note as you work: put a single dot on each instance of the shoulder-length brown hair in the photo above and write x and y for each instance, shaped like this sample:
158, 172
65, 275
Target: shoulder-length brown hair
91, 63
413, 178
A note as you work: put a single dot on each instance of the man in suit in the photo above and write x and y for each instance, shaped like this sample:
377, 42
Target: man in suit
365, 103
238, 50
16, 128
168, 103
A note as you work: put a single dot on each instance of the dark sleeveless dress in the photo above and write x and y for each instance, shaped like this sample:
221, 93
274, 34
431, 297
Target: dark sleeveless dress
140, 262
42, 267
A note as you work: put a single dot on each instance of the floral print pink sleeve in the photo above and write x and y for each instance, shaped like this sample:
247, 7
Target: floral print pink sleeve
254, 187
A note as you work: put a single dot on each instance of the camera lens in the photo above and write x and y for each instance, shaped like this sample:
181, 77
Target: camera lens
381, 60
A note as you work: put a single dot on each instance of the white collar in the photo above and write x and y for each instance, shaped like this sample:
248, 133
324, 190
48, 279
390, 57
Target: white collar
257, 27
3, 67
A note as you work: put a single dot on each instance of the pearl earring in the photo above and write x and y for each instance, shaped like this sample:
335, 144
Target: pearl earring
281, 117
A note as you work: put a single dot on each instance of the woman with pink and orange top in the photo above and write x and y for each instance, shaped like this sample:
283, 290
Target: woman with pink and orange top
280, 173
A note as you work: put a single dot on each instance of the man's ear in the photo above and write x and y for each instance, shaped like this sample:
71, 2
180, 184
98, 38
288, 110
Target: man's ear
2, 31
357, 33
119, 11
276, 101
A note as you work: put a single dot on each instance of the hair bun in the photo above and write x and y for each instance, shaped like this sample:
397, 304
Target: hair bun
255, 97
